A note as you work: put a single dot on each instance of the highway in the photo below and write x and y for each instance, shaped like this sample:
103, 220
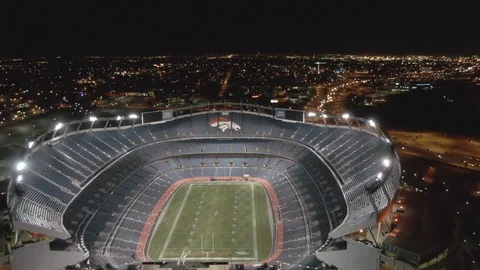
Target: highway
329, 98
458, 151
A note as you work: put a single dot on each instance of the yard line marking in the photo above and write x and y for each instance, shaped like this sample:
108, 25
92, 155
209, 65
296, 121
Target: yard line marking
213, 243
220, 219
254, 222
167, 242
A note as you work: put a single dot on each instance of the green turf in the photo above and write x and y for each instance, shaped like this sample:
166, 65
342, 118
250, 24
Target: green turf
215, 221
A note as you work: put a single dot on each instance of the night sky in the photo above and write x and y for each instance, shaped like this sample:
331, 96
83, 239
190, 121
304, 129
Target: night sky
195, 27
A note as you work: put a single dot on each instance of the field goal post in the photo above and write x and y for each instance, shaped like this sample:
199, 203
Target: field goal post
202, 245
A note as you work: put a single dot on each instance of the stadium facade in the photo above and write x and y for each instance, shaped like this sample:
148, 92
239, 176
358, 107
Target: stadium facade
97, 186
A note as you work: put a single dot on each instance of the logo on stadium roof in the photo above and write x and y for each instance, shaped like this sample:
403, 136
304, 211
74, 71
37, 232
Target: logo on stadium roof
224, 124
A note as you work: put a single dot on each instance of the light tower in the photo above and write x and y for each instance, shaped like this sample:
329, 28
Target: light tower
318, 67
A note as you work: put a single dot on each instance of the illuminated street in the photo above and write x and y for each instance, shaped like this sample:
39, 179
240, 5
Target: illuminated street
463, 152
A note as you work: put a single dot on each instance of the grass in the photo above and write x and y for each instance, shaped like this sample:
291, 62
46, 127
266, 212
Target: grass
226, 221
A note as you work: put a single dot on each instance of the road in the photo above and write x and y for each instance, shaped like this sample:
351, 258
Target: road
224, 83
329, 98
458, 151
462, 152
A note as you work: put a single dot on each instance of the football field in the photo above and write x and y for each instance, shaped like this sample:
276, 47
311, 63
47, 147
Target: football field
215, 221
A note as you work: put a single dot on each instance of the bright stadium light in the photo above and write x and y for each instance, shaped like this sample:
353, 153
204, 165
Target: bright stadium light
119, 118
21, 165
19, 178
133, 116
58, 126
92, 118
324, 115
311, 114
379, 176
371, 123
345, 116
386, 162
30, 144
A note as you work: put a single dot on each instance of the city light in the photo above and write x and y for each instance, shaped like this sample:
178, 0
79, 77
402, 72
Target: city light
356, 145
386, 162
58, 126
21, 165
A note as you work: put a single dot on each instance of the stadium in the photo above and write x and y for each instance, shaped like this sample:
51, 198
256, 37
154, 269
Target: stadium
219, 183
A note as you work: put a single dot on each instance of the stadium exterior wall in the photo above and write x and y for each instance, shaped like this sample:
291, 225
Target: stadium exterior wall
28, 227
356, 256
38, 256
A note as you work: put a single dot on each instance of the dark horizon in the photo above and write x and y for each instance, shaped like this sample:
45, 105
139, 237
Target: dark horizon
203, 28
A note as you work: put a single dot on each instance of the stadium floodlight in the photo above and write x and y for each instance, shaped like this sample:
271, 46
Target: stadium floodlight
92, 118
311, 114
345, 116
58, 126
30, 144
133, 116
371, 123
324, 115
119, 118
19, 178
379, 176
20, 165
386, 162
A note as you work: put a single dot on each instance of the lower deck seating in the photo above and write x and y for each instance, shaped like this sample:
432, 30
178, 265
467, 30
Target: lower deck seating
113, 237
